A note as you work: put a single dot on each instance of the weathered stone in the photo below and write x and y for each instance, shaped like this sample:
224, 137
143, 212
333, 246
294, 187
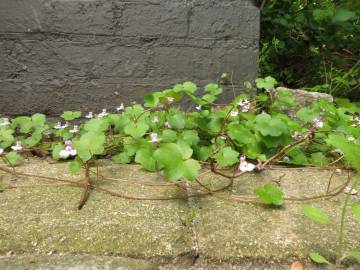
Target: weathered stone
303, 99
40, 220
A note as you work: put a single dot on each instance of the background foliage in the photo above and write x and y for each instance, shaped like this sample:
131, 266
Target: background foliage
312, 43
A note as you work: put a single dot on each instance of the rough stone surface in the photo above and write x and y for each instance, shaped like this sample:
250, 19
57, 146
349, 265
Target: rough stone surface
303, 99
90, 54
40, 225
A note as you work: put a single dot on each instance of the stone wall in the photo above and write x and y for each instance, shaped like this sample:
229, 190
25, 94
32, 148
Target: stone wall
90, 54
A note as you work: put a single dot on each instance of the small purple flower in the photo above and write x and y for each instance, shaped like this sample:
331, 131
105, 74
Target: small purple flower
75, 129
103, 113
68, 151
245, 105
154, 138
89, 115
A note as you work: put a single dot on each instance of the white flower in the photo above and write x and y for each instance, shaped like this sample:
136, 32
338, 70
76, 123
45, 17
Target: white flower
68, 150
103, 113
170, 99
198, 108
351, 138
156, 119
223, 137
17, 146
234, 113
5, 122
75, 129
337, 150
286, 159
89, 115
297, 135
68, 143
121, 107
154, 138
356, 119
66, 125
245, 166
1, 151
58, 125
245, 105
64, 154
73, 152
351, 191
167, 124
318, 123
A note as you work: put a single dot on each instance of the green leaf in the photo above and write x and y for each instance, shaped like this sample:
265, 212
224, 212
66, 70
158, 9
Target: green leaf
343, 15
145, 158
315, 257
136, 130
24, 122
270, 126
213, 89
226, 157
189, 87
209, 98
177, 120
355, 254
56, 148
203, 153
267, 83
75, 165
122, 158
247, 85
168, 154
96, 125
38, 119
152, 100
69, 115
356, 210
190, 169
316, 215
168, 136
307, 115
6, 135
351, 150
240, 134
190, 136
270, 195
12, 158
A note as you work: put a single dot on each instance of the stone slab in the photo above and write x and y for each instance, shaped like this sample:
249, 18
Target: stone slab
38, 223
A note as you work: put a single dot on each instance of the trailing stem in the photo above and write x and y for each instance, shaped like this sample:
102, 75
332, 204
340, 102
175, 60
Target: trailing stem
86, 189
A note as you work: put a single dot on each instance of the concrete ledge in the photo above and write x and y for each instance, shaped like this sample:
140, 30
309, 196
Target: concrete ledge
36, 221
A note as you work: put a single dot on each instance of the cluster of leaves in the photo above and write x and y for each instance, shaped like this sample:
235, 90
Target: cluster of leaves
246, 132
162, 137
312, 43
